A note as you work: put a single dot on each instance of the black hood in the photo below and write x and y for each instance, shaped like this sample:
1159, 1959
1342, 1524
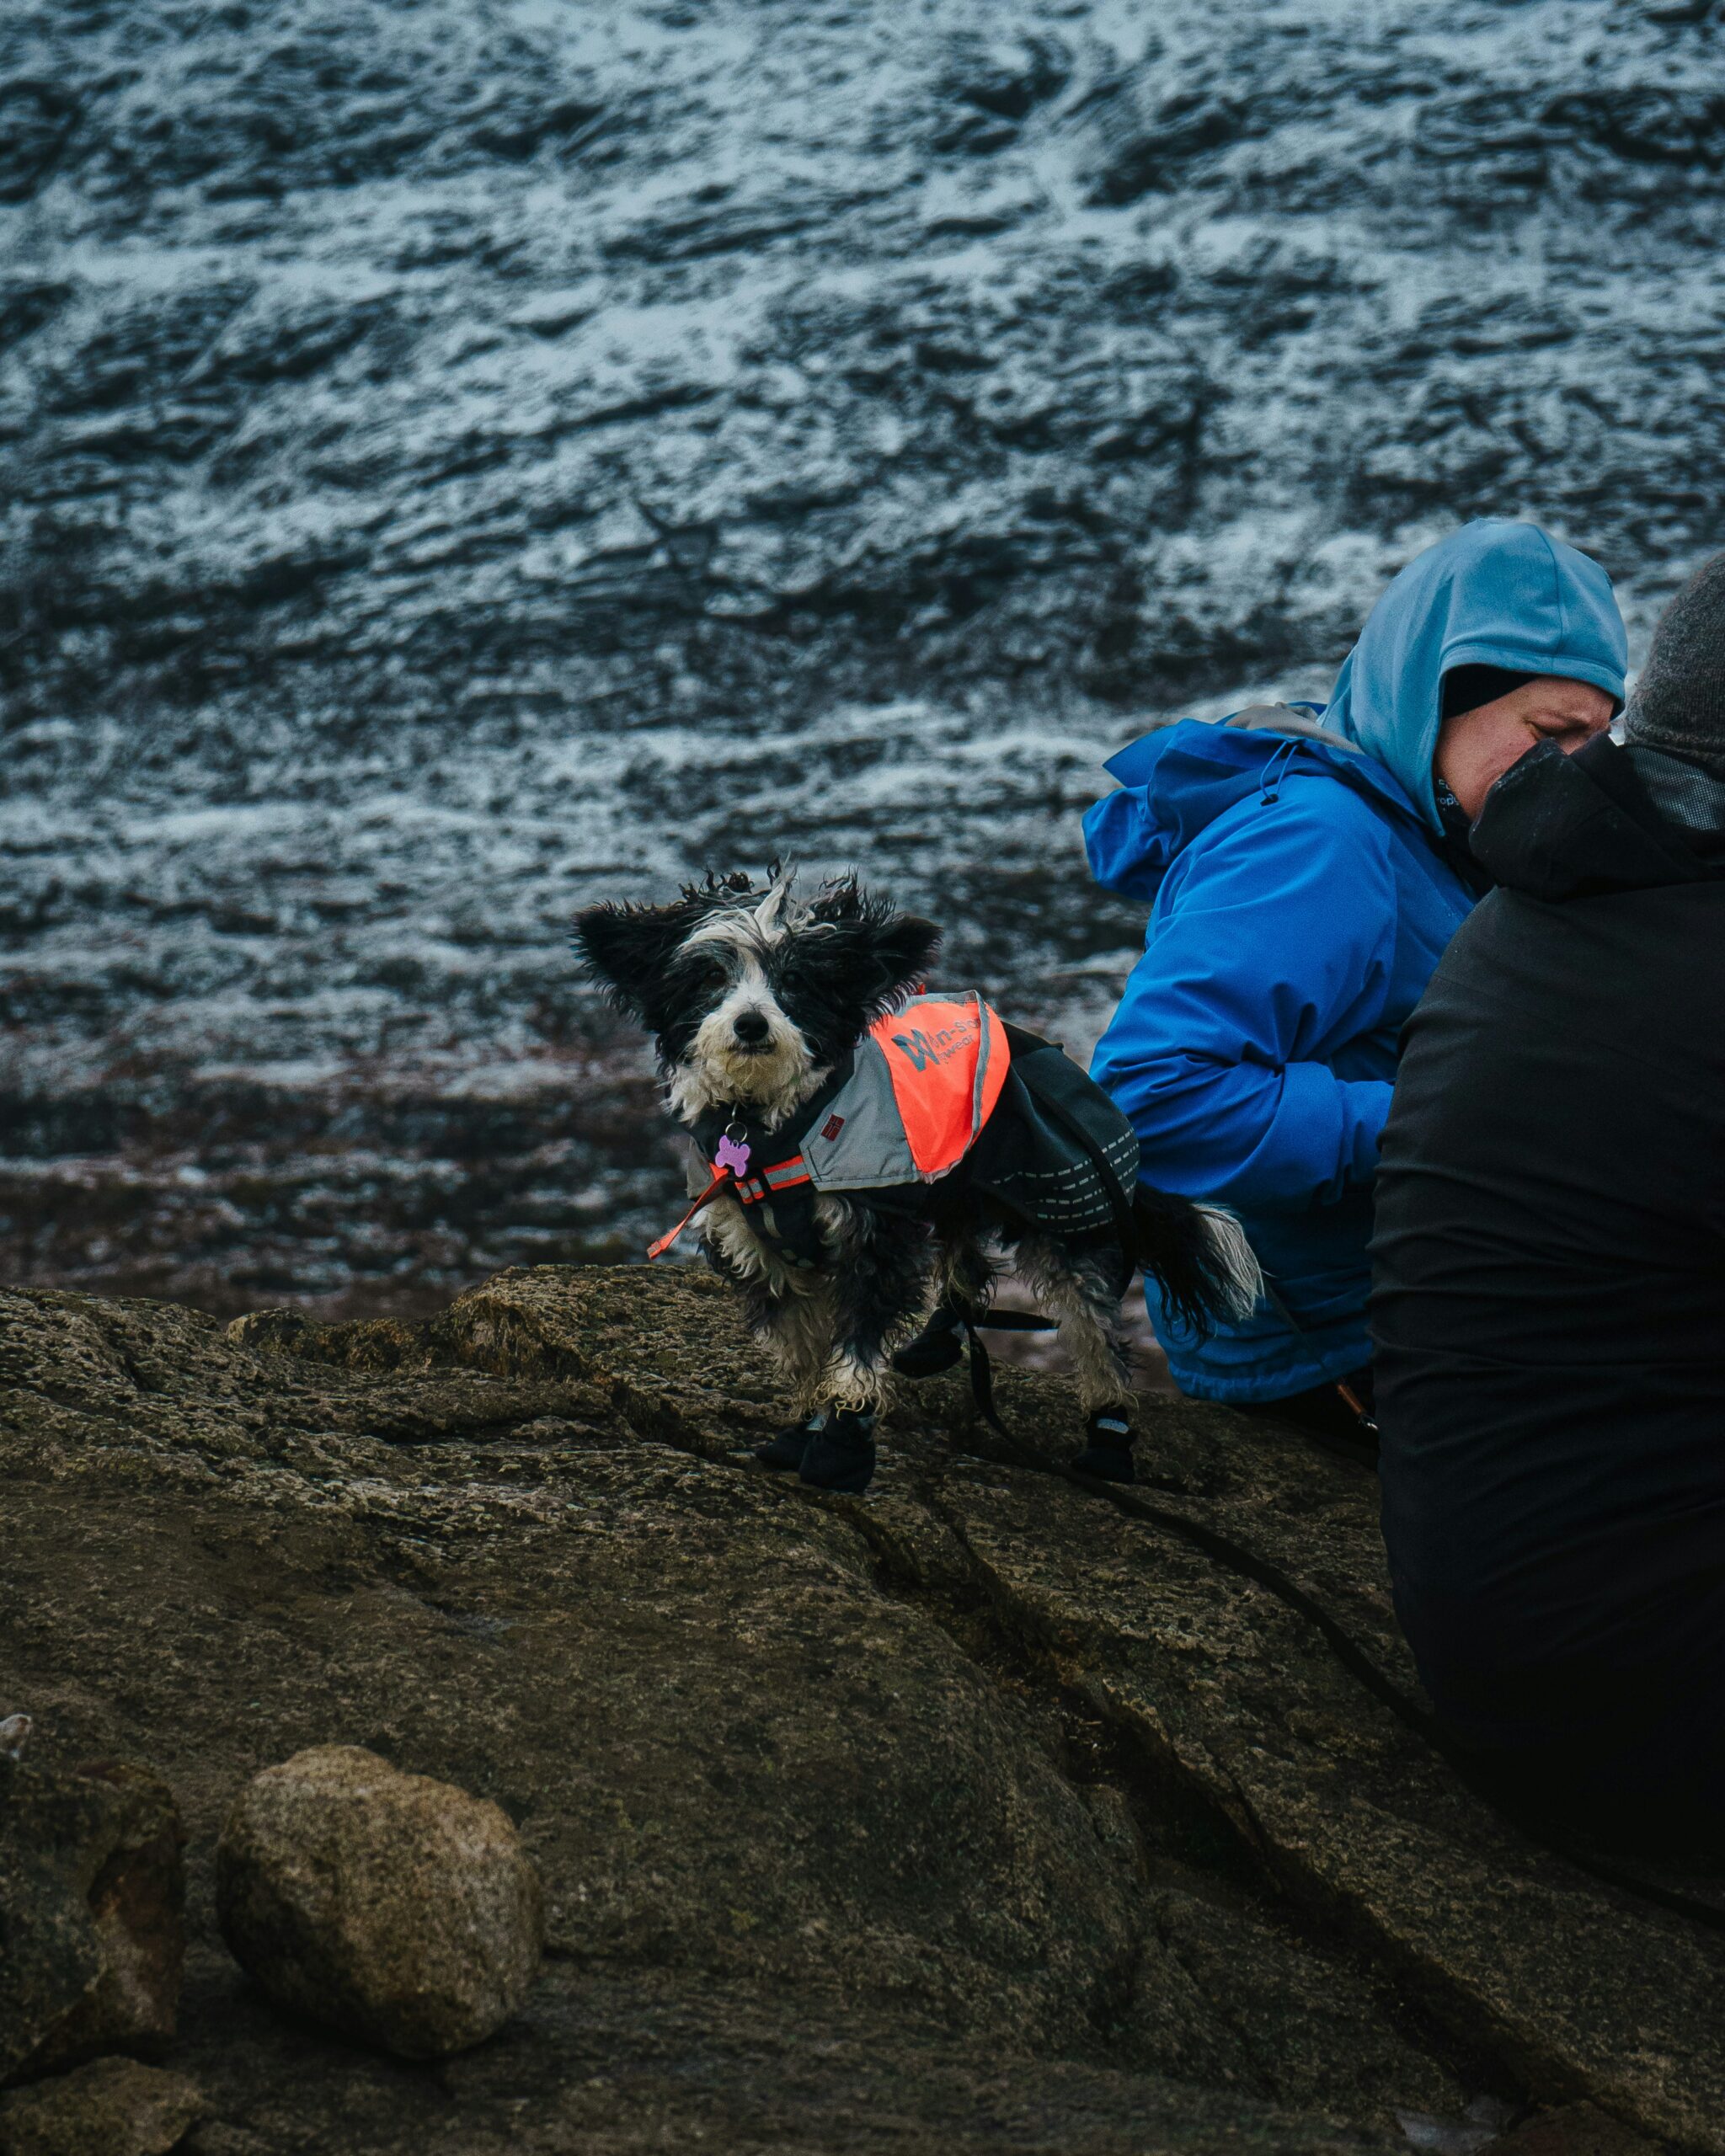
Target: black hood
1569, 827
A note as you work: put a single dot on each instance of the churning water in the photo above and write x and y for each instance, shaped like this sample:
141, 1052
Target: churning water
463, 457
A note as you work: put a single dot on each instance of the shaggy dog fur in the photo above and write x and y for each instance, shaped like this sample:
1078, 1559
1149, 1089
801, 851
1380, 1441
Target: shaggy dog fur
754, 998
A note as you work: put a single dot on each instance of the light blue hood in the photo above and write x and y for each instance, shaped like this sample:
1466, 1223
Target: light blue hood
1301, 889
1494, 594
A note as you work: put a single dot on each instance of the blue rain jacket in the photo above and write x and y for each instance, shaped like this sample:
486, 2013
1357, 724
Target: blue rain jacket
1299, 898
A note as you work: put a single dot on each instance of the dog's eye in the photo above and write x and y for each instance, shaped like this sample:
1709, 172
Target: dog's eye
701, 971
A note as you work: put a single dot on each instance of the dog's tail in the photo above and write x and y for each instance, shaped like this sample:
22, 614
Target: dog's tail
1199, 1257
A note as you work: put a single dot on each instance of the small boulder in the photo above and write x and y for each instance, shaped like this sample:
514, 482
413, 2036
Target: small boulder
111, 2107
1574, 2129
92, 1913
391, 1906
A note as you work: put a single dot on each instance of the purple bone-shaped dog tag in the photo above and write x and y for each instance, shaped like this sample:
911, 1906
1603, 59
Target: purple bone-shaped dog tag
731, 1154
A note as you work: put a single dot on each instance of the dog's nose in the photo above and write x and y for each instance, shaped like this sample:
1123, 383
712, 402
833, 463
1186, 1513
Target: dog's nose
750, 1027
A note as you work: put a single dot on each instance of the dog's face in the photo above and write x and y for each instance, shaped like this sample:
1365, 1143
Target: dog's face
753, 995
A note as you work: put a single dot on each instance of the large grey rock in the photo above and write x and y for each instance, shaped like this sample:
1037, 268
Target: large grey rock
988, 1811
92, 1923
111, 2107
389, 1905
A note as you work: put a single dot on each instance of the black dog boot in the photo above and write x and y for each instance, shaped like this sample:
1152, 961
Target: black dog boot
936, 1347
841, 1454
1108, 1447
786, 1446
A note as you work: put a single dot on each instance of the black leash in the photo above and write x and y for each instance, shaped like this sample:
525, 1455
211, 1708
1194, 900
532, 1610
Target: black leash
1572, 1848
1350, 1399
982, 1382
981, 1369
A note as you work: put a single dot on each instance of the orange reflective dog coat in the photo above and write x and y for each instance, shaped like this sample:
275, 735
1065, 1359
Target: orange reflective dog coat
934, 1087
925, 1082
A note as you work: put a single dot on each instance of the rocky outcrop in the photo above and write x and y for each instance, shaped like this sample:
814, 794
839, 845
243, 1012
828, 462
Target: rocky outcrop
389, 1905
92, 1928
111, 2107
989, 1810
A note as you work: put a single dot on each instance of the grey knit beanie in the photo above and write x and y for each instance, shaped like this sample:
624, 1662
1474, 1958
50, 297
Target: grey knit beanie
1679, 702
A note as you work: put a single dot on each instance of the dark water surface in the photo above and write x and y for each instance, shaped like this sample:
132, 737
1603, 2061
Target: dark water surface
463, 458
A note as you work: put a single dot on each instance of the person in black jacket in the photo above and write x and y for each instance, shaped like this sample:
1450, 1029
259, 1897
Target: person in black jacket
1548, 1309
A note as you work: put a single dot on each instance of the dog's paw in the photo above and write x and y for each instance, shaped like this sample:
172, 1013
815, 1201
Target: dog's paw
840, 1454
1107, 1448
787, 1448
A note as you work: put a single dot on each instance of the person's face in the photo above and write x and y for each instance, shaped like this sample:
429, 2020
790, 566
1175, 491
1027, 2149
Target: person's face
1476, 748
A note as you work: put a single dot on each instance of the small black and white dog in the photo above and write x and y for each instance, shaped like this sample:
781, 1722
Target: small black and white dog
761, 1004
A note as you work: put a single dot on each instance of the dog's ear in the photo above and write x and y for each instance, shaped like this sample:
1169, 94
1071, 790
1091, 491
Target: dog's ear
626, 950
905, 946
885, 952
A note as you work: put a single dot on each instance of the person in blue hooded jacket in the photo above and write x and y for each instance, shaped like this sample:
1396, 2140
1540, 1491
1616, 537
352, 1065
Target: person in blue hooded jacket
1304, 867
